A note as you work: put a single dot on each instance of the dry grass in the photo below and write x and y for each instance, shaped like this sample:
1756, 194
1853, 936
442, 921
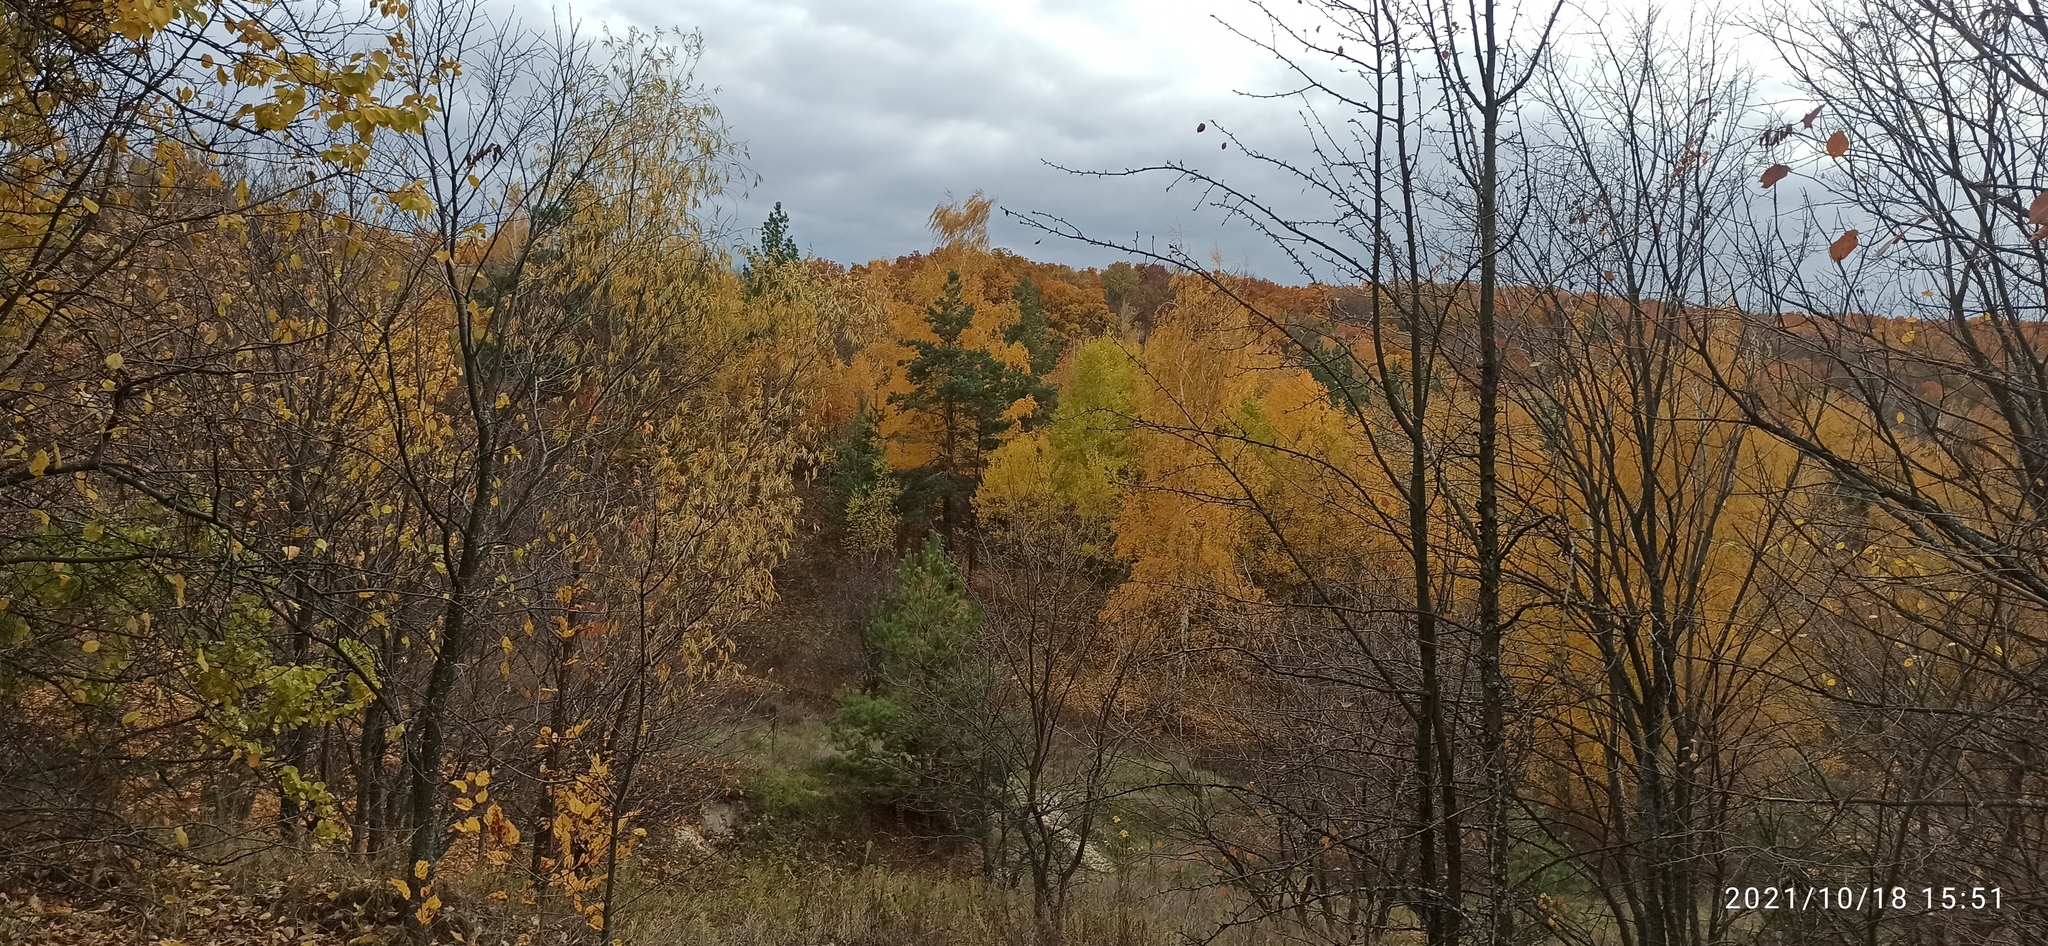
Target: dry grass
761, 905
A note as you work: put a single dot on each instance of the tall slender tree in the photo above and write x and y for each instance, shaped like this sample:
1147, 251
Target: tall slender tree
960, 400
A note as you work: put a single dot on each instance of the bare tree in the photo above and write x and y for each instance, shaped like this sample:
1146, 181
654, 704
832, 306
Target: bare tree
1660, 631
1905, 363
1062, 737
1398, 204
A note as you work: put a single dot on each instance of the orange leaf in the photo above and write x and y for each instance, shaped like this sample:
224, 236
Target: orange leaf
1842, 247
2037, 212
1774, 174
1838, 144
499, 829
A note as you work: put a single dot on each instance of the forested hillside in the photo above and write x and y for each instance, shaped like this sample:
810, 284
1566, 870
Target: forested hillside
421, 521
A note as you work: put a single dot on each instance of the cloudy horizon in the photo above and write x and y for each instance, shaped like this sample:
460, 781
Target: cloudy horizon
860, 116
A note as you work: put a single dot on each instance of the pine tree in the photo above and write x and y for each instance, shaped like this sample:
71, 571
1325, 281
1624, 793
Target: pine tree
776, 245
925, 629
960, 397
864, 484
777, 249
1042, 347
911, 737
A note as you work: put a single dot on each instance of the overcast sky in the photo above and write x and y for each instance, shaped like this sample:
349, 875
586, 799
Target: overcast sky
861, 115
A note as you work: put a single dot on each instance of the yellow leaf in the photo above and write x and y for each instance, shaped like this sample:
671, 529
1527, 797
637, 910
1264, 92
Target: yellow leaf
114, 362
413, 199
90, 647
428, 909
38, 463
93, 531
420, 868
404, 889
502, 831
179, 835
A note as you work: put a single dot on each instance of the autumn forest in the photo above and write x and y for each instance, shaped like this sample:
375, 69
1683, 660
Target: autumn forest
424, 519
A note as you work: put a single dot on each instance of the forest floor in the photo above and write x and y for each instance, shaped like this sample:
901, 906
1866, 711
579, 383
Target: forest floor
753, 901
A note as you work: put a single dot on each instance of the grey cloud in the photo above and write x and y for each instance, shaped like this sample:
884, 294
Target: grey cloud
860, 116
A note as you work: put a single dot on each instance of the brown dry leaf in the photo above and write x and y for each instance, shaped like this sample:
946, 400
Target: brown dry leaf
1838, 144
1774, 174
1843, 246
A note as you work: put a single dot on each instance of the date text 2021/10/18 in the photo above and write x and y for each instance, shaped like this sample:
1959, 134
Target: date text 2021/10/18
1860, 898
